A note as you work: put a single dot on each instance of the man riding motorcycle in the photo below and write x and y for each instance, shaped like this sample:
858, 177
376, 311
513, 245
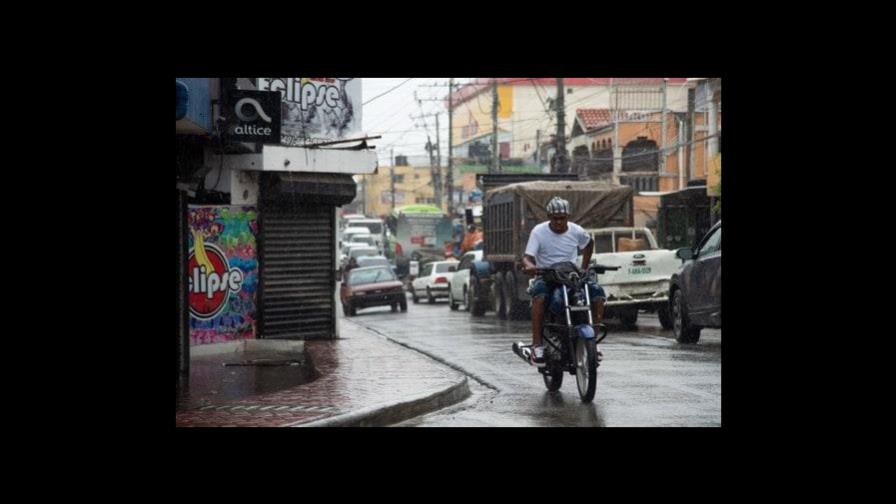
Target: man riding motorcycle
550, 243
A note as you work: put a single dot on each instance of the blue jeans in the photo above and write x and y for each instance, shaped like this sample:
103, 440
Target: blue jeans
539, 289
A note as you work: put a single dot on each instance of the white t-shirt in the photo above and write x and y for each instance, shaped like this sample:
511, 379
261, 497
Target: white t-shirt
549, 248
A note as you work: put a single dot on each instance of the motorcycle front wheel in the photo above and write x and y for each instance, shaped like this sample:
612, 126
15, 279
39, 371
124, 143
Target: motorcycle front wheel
586, 368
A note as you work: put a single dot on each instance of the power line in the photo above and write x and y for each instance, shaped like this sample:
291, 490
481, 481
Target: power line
387, 92
547, 119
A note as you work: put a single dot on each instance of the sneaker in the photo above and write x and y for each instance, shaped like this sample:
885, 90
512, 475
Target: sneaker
536, 358
522, 350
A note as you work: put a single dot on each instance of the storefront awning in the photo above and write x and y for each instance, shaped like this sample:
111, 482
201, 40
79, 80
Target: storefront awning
296, 189
280, 158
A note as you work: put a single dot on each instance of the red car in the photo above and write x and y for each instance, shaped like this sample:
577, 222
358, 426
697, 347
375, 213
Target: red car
371, 286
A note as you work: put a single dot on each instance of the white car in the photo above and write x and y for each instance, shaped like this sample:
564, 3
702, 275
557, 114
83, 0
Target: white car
433, 280
357, 250
376, 227
642, 281
459, 287
350, 232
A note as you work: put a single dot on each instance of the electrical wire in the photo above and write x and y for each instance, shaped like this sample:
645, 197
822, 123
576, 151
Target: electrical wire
387, 92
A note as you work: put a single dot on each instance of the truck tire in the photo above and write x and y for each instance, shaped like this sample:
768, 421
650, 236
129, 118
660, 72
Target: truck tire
477, 298
516, 308
629, 318
500, 298
684, 331
664, 312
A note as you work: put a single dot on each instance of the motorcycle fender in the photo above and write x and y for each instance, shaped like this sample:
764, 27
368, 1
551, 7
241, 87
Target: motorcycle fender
585, 331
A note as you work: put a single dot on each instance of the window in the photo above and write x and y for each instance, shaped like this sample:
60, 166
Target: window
370, 276
445, 267
603, 244
713, 243
427, 270
399, 179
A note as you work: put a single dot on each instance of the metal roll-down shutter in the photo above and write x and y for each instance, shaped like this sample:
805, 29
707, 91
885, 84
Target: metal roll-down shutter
297, 272
297, 250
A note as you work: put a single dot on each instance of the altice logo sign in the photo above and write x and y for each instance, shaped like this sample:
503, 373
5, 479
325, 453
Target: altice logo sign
257, 115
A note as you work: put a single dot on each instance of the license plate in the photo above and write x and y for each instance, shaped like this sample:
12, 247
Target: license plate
639, 270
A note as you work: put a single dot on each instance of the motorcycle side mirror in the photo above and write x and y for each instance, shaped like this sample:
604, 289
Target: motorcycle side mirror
685, 253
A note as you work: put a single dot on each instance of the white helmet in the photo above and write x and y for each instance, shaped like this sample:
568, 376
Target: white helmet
558, 205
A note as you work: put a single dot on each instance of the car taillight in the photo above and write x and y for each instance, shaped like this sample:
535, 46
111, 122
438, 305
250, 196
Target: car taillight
441, 280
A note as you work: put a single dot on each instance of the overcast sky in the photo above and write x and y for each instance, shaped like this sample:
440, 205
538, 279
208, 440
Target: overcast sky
389, 115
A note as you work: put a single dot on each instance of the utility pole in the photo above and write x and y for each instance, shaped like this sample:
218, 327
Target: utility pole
561, 165
713, 146
494, 166
438, 179
663, 132
690, 134
435, 171
617, 150
538, 147
449, 177
392, 177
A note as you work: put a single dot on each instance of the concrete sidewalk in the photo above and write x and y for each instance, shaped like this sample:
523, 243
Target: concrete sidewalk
362, 379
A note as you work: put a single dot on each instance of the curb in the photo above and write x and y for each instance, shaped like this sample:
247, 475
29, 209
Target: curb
381, 416
247, 346
435, 358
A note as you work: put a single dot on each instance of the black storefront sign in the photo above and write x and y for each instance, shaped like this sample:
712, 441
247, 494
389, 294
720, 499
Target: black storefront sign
254, 116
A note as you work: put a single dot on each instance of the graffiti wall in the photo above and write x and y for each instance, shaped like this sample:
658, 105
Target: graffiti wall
223, 273
316, 109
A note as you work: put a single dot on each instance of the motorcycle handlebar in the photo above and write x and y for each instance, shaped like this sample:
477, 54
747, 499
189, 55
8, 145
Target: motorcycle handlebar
598, 268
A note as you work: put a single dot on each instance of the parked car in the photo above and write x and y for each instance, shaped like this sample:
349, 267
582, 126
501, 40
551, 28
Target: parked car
371, 286
433, 280
696, 289
459, 286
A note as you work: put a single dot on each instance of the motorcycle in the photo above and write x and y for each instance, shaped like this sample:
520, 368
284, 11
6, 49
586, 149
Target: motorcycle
568, 329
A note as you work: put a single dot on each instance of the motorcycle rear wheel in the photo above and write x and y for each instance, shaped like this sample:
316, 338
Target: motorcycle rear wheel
553, 378
586, 368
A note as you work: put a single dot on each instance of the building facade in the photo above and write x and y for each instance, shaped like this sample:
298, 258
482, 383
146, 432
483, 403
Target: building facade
257, 219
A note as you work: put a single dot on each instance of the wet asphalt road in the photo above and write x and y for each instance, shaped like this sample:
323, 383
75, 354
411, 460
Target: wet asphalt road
646, 379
